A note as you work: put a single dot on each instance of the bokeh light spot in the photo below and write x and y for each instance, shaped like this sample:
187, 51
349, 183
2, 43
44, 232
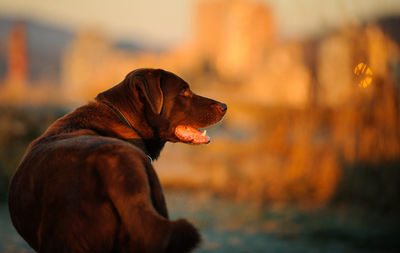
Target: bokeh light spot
364, 74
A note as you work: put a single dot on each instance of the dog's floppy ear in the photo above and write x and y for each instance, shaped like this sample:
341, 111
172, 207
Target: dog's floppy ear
143, 84
149, 85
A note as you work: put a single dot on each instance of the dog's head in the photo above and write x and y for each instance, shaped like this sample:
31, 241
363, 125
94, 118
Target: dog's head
160, 105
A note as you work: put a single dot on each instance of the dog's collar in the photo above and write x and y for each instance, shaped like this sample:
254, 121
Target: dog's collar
151, 159
126, 122
121, 116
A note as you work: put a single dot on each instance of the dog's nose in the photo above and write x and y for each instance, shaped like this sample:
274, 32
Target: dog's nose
223, 107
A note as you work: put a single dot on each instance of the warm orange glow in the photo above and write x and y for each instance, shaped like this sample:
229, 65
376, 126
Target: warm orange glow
364, 73
295, 117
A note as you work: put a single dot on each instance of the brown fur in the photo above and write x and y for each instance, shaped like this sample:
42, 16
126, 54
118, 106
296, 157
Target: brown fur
87, 184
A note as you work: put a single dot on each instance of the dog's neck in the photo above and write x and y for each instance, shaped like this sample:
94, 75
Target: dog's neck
151, 146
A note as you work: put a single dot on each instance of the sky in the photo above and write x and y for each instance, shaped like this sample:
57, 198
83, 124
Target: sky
165, 23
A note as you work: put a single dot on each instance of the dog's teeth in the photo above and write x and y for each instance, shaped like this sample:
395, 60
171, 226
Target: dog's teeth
204, 133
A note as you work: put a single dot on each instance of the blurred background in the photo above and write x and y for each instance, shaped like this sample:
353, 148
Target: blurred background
307, 158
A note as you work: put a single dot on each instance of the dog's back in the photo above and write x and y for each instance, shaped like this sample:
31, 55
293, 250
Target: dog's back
73, 192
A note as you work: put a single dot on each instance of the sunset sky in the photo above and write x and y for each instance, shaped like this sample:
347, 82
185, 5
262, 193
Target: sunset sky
169, 22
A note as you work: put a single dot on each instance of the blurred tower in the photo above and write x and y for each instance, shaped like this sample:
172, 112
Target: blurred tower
234, 35
17, 60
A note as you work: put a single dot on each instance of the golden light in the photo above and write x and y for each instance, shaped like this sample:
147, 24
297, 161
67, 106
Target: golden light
364, 73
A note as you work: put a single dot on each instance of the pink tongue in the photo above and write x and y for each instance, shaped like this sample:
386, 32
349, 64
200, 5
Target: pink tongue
191, 134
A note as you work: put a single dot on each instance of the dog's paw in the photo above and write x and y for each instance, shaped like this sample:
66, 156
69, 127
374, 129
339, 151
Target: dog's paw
184, 237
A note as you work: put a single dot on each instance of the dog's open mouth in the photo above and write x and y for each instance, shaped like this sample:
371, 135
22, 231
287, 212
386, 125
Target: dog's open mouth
191, 135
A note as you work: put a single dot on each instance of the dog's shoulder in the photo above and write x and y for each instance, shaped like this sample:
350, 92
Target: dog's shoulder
94, 145
86, 151
100, 146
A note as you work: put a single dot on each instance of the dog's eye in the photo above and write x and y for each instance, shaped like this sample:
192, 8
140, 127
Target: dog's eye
186, 92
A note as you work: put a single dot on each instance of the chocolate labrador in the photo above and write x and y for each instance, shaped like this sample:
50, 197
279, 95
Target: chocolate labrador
87, 184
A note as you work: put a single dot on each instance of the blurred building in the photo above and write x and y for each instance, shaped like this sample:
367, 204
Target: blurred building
16, 79
234, 36
17, 70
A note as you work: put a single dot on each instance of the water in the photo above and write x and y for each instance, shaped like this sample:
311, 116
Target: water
228, 226
10, 241
232, 227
